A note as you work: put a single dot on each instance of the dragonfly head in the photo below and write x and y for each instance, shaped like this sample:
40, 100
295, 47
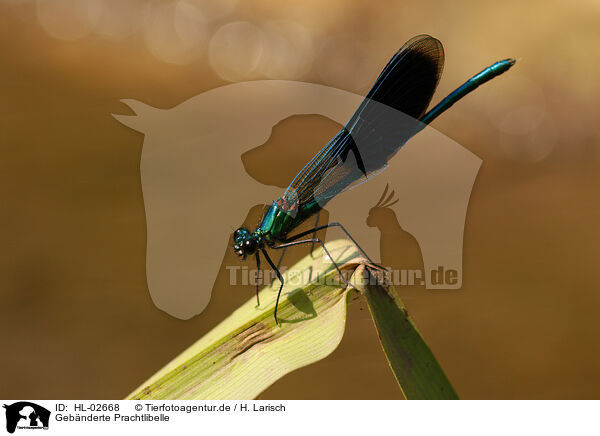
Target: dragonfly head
244, 242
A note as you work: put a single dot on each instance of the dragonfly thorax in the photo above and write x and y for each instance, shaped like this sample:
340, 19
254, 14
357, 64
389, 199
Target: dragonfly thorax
246, 243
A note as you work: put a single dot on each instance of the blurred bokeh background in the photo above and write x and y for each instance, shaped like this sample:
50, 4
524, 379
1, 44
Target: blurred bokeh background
75, 314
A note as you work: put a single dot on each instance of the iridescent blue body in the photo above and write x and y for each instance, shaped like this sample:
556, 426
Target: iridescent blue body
406, 85
279, 220
478, 79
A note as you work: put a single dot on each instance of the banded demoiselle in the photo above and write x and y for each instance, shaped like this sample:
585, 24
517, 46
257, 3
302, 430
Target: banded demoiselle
393, 111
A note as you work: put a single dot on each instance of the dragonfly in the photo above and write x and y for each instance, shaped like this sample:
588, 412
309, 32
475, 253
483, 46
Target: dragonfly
394, 110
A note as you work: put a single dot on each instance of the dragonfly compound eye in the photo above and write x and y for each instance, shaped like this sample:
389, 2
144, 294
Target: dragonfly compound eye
250, 245
240, 234
238, 248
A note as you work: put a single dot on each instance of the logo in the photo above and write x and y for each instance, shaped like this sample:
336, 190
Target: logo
26, 415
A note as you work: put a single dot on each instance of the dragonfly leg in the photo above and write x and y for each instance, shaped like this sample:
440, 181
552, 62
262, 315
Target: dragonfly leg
312, 245
257, 278
336, 224
278, 265
280, 259
288, 243
280, 280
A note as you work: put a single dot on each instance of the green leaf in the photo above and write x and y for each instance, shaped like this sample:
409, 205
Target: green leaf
247, 352
417, 371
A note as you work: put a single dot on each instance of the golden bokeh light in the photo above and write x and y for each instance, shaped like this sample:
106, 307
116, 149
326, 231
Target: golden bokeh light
120, 18
175, 32
289, 51
214, 9
236, 49
345, 63
69, 19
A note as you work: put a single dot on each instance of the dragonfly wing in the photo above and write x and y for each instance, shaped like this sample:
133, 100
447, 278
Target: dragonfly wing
383, 122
